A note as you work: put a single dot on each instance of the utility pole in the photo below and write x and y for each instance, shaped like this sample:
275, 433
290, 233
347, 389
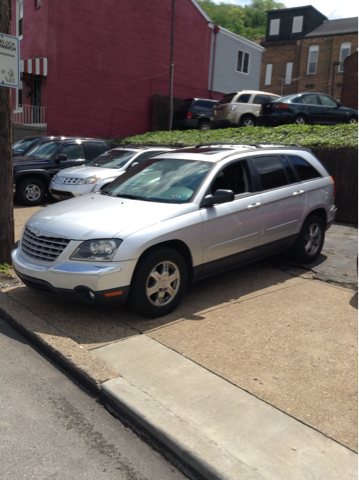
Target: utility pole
6, 171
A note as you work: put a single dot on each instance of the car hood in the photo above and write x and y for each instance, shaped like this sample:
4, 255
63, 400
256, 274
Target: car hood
20, 159
88, 171
100, 216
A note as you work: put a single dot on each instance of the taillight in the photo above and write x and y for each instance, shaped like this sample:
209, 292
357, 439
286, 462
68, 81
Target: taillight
333, 186
189, 115
281, 106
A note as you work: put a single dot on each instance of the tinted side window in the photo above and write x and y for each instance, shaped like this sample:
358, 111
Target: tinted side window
311, 100
74, 151
271, 171
304, 170
227, 98
243, 98
201, 106
260, 99
94, 149
289, 171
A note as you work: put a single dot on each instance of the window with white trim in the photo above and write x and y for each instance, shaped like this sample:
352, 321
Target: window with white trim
19, 17
288, 73
313, 60
274, 26
297, 24
344, 53
268, 77
243, 62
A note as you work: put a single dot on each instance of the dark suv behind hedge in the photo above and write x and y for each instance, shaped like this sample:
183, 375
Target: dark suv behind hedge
194, 113
33, 172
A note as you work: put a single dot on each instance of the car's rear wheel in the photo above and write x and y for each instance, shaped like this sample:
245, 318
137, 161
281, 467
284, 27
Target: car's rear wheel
300, 120
204, 125
353, 120
310, 240
30, 191
247, 121
159, 282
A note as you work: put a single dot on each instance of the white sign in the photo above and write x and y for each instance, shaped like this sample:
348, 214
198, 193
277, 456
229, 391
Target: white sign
9, 61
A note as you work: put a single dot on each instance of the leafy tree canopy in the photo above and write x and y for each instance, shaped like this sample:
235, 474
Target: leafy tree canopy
248, 21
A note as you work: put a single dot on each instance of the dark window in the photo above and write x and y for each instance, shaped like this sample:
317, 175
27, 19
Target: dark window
235, 177
242, 61
271, 172
304, 170
20, 17
288, 170
243, 98
260, 99
74, 151
202, 106
94, 149
311, 99
329, 102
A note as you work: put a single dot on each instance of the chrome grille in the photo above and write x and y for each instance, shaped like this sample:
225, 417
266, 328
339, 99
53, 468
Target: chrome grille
45, 248
66, 180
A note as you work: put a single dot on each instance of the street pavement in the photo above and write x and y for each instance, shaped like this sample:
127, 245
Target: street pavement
254, 376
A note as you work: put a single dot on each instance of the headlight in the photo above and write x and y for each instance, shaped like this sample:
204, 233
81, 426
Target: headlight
97, 250
89, 180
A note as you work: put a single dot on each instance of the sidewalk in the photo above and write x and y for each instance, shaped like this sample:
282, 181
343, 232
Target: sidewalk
254, 376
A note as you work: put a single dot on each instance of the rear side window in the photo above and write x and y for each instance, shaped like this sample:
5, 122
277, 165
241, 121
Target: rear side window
271, 171
202, 106
260, 99
94, 149
243, 98
303, 168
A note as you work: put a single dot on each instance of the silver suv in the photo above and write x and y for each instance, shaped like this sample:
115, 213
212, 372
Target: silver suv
240, 109
174, 219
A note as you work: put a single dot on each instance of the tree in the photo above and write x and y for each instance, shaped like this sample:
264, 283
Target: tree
6, 171
249, 21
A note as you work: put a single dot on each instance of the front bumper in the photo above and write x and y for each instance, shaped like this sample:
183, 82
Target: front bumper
90, 283
63, 191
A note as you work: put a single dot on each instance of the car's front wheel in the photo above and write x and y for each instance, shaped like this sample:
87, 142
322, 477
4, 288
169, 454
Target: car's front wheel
310, 241
159, 282
30, 191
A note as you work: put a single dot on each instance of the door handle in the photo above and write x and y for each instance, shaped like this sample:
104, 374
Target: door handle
300, 192
254, 205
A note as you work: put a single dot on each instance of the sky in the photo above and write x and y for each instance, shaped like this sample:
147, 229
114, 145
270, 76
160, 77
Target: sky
330, 8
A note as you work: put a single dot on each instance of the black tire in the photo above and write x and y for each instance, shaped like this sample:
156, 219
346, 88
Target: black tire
310, 241
353, 120
205, 125
300, 120
247, 121
147, 296
30, 191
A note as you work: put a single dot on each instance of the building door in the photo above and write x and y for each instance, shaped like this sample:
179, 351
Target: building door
37, 99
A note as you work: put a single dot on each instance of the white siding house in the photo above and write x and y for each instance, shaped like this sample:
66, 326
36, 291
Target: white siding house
235, 63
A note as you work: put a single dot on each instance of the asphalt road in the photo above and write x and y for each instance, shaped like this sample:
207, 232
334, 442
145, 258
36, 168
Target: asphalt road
52, 428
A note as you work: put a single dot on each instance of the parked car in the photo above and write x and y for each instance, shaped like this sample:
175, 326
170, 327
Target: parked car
306, 108
22, 146
194, 113
94, 175
239, 109
176, 218
33, 171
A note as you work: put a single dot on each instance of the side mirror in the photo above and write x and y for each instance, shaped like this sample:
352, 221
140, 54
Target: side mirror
60, 157
219, 196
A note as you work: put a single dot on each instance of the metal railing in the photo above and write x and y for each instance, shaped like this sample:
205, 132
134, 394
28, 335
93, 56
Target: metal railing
28, 115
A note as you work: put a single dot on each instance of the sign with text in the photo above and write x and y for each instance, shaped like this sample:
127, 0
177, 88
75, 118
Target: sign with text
9, 61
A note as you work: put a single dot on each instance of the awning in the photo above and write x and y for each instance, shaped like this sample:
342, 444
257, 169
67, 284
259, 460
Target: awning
37, 66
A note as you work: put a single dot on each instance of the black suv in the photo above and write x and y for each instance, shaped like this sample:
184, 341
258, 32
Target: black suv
33, 171
194, 113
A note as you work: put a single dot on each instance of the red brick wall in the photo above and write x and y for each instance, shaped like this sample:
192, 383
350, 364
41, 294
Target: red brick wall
107, 59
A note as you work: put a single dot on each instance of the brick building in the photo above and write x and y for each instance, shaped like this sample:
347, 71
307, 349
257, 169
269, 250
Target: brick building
304, 51
94, 68
349, 96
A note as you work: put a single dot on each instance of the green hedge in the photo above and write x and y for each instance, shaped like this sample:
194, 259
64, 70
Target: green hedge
333, 136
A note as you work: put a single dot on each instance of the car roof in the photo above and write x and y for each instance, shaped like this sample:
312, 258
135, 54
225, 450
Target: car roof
251, 91
215, 152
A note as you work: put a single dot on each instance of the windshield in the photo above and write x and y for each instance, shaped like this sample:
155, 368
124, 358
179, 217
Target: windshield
44, 151
161, 180
112, 159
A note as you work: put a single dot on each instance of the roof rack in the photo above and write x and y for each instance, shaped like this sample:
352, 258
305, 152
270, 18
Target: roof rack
256, 145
